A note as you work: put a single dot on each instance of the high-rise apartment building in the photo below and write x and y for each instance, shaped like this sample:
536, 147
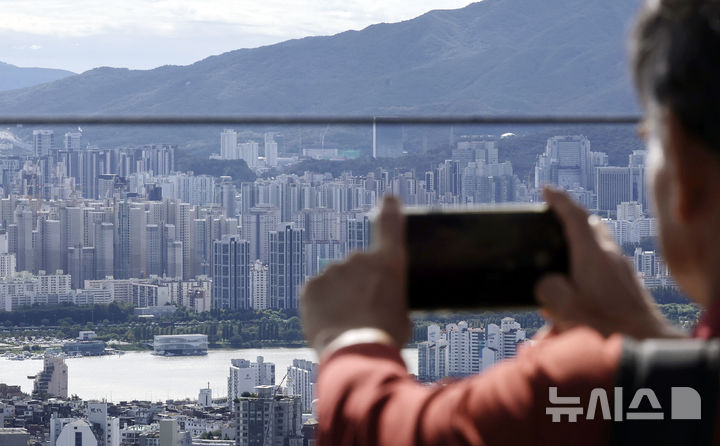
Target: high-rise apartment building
287, 266
25, 249
205, 397
122, 240
153, 250
300, 381
464, 349
433, 355
321, 253
567, 162
248, 151
259, 286
358, 234
184, 233
268, 420
245, 376
104, 250
614, 186
501, 341
72, 141
227, 189
138, 246
43, 142
271, 151
256, 227
231, 274
228, 144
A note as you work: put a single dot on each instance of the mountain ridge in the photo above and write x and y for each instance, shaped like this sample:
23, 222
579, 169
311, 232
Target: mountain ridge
13, 77
491, 57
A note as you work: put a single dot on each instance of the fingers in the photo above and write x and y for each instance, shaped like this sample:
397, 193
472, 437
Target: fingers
574, 217
390, 227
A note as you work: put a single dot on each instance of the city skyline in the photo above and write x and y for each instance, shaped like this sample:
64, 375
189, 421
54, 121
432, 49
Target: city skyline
91, 225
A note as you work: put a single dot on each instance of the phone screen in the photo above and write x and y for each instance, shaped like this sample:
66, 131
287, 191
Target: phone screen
481, 258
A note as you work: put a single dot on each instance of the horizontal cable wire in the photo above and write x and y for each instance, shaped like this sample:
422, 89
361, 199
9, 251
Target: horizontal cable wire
314, 120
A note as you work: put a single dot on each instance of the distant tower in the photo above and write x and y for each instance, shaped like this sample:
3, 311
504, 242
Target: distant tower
374, 141
228, 196
43, 141
25, 251
567, 163
72, 141
122, 250
137, 227
248, 151
205, 397
228, 144
256, 225
271, 150
154, 247
268, 419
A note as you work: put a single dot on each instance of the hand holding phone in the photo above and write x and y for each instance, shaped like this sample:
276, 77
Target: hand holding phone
481, 258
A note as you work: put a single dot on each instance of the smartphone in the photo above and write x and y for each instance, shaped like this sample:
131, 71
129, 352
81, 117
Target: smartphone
481, 258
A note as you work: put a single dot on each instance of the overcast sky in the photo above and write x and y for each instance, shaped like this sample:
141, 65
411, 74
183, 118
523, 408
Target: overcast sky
78, 35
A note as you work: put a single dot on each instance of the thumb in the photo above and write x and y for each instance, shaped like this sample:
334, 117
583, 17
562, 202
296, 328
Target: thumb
389, 233
556, 294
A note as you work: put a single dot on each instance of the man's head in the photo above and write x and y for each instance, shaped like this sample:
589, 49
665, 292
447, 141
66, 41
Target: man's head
676, 64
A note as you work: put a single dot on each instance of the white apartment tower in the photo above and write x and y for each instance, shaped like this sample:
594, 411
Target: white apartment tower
464, 349
205, 397
271, 150
301, 379
228, 144
248, 151
259, 286
246, 375
433, 355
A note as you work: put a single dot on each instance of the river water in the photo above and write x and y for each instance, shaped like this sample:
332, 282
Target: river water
143, 376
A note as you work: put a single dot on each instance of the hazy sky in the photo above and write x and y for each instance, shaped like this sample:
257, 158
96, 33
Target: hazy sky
79, 35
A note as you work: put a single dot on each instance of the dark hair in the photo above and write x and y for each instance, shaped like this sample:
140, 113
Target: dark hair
676, 62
